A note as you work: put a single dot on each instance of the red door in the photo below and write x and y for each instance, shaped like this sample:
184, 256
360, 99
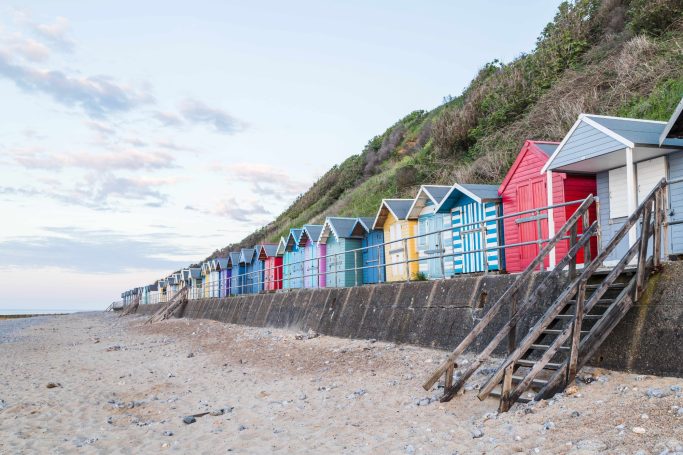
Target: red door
532, 195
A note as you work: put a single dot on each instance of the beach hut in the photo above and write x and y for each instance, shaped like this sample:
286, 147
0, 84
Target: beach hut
221, 266
152, 293
525, 189
195, 282
399, 232
629, 157
372, 244
474, 209
313, 256
235, 273
292, 260
206, 278
161, 285
250, 277
434, 243
272, 267
344, 257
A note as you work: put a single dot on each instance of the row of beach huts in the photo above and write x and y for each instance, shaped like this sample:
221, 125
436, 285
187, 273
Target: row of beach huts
445, 231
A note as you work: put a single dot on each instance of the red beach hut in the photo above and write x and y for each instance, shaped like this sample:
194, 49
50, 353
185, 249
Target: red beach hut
272, 267
526, 188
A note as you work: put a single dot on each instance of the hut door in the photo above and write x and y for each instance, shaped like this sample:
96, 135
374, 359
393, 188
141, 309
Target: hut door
434, 225
531, 195
396, 250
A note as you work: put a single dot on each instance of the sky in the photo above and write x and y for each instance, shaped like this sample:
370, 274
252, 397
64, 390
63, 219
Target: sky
139, 137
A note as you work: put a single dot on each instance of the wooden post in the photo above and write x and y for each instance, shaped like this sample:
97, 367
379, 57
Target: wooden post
539, 236
405, 258
587, 248
642, 250
573, 232
576, 332
657, 233
448, 383
505, 404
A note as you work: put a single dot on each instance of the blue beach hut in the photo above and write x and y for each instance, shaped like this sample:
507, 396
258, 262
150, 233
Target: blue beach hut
372, 242
293, 257
474, 209
235, 273
313, 250
433, 230
344, 257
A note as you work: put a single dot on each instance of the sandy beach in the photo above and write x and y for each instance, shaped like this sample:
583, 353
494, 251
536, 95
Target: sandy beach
117, 385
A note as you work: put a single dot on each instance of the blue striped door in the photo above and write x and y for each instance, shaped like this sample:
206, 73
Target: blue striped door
468, 238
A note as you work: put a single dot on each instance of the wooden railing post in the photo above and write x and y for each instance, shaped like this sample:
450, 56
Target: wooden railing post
573, 233
505, 403
380, 279
657, 233
512, 336
642, 250
587, 249
576, 332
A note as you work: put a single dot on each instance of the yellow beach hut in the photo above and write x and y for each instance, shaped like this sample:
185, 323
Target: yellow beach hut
392, 219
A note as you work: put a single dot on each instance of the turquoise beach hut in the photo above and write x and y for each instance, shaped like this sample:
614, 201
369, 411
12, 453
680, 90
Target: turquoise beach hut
344, 258
474, 209
372, 243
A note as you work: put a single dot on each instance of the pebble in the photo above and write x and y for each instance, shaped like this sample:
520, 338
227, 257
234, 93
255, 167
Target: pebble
591, 445
52, 385
675, 388
80, 442
422, 401
241, 428
189, 419
110, 420
190, 355
620, 427
656, 393
3, 404
679, 412
548, 425
477, 433
571, 390
639, 430
575, 414
410, 449
168, 433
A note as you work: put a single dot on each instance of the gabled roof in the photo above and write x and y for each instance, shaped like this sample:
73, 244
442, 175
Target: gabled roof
195, 272
310, 231
397, 207
185, 274
362, 226
477, 192
221, 263
267, 250
340, 227
281, 247
428, 194
153, 287
541, 149
674, 127
247, 255
233, 259
623, 132
293, 238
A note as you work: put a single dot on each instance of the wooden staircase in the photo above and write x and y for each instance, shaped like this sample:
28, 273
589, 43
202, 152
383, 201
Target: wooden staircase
171, 306
576, 322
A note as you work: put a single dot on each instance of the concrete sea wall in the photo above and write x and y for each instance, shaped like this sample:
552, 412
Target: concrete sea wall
440, 314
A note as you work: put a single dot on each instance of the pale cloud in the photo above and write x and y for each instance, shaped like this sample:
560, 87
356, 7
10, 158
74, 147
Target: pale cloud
98, 96
99, 191
196, 112
130, 159
95, 251
247, 211
100, 127
167, 118
266, 180
27, 48
55, 33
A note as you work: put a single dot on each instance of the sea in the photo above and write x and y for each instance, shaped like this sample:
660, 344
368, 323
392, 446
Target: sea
10, 311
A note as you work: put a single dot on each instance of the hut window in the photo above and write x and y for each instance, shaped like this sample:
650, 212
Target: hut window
618, 203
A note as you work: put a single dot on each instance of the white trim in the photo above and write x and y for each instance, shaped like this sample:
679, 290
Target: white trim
670, 123
631, 193
423, 188
384, 204
625, 118
552, 260
564, 141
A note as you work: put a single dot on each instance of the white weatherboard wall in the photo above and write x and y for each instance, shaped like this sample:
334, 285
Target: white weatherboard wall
649, 173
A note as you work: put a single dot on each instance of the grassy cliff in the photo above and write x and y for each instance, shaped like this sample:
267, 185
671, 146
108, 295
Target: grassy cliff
615, 57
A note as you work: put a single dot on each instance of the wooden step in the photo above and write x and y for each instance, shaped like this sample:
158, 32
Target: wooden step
531, 363
593, 287
558, 331
496, 394
537, 382
600, 303
545, 347
571, 316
